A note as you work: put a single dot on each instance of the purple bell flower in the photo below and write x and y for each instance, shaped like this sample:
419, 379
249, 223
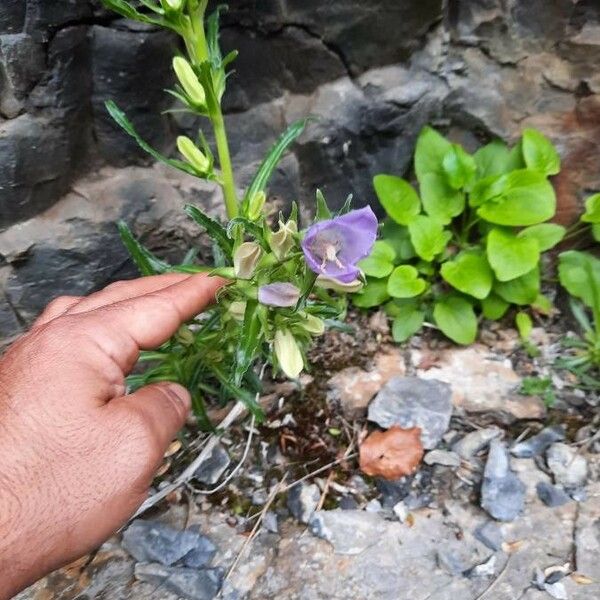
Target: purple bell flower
332, 248
280, 294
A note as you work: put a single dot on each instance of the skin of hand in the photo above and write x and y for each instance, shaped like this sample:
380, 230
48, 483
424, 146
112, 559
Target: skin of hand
77, 454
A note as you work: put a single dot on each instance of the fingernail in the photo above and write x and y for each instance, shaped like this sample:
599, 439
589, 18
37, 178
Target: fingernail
181, 394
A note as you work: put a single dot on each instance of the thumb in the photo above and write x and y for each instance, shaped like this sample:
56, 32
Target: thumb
159, 410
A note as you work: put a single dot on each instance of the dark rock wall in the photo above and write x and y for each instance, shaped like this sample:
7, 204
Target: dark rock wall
373, 72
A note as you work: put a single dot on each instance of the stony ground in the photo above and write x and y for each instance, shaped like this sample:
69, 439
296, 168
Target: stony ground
504, 505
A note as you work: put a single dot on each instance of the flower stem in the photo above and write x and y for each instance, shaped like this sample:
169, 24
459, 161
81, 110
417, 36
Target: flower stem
228, 184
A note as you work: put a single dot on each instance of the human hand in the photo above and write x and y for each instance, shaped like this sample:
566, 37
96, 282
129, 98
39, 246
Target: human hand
77, 455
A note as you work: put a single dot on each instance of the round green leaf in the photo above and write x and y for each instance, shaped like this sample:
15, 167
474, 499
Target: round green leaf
397, 197
492, 159
539, 153
373, 294
520, 198
494, 307
469, 273
522, 290
592, 210
404, 282
380, 262
429, 152
398, 237
459, 167
440, 200
579, 273
456, 318
546, 234
428, 237
511, 256
407, 323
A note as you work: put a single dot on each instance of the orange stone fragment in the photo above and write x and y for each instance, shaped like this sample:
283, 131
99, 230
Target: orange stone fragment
393, 453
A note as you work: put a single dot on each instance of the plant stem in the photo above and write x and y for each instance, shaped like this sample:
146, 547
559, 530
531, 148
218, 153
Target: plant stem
228, 185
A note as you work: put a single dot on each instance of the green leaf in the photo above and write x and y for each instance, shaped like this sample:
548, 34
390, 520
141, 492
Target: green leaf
511, 256
428, 237
579, 274
407, 323
592, 210
580, 314
456, 318
249, 342
380, 262
469, 273
373, 294
520, 198
121, 120
494, 307
596, 231
546, 234
125, 9
215, 230
439, 199
145, 261
398, 198
459, 167
539, 153
398, 237
542, 304
492, 159
429, 152
404, 282
269, 164
322, 212
524, 325
522, 290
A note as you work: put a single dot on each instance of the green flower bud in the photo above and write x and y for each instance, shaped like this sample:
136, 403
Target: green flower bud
193, 154
245, 259
172, 4
313, 324
282, 241
184, 336
255, 205
329, 283
237, 310
288, 353
189, 80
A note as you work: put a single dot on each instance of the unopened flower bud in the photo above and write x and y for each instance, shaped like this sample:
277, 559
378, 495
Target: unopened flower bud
193, 154
184, 336
282, 240
329, 283
256, 205
237, 310
288, 353
245, 259
281, 294
189, 81
313, 324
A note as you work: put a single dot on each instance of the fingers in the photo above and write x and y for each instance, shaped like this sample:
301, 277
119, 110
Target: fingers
153, 414
59, 306
123, 290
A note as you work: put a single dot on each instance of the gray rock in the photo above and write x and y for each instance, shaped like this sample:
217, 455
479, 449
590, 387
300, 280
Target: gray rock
569, 468
442, 457
485, 569
539, 443
151, 541
190, 584
348, 531
551, 495
476, 441
270, 522
348, 503
210, 471
413, 402
302, 501
373, 506
490, 535
502, 492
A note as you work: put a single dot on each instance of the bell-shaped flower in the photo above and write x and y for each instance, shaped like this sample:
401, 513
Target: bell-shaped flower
245, 259
283, 240
193, 154
333, 247
280, 294
288, 353
189, 81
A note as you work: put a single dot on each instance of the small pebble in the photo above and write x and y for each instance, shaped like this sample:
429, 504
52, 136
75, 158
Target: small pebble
539, 443
442, 457
551, 495
490, 535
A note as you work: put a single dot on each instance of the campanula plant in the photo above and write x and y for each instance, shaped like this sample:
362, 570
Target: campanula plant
469, 241
281, 278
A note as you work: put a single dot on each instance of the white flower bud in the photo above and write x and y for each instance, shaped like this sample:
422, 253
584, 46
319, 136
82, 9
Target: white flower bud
193, 154
329, 283
282, 241
237, 310
245, 259
288, 353
189, 81
256, 205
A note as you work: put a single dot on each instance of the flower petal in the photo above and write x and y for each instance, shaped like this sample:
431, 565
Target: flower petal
281, 294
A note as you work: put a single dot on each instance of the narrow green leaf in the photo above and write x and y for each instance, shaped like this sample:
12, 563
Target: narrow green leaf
511, 256
470, 273
494, 307
216, 231
546, 234
404, 282
539, 153
249, 342
125, 9
456, 319
407, 323
398, 198
322, 212
146, 262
